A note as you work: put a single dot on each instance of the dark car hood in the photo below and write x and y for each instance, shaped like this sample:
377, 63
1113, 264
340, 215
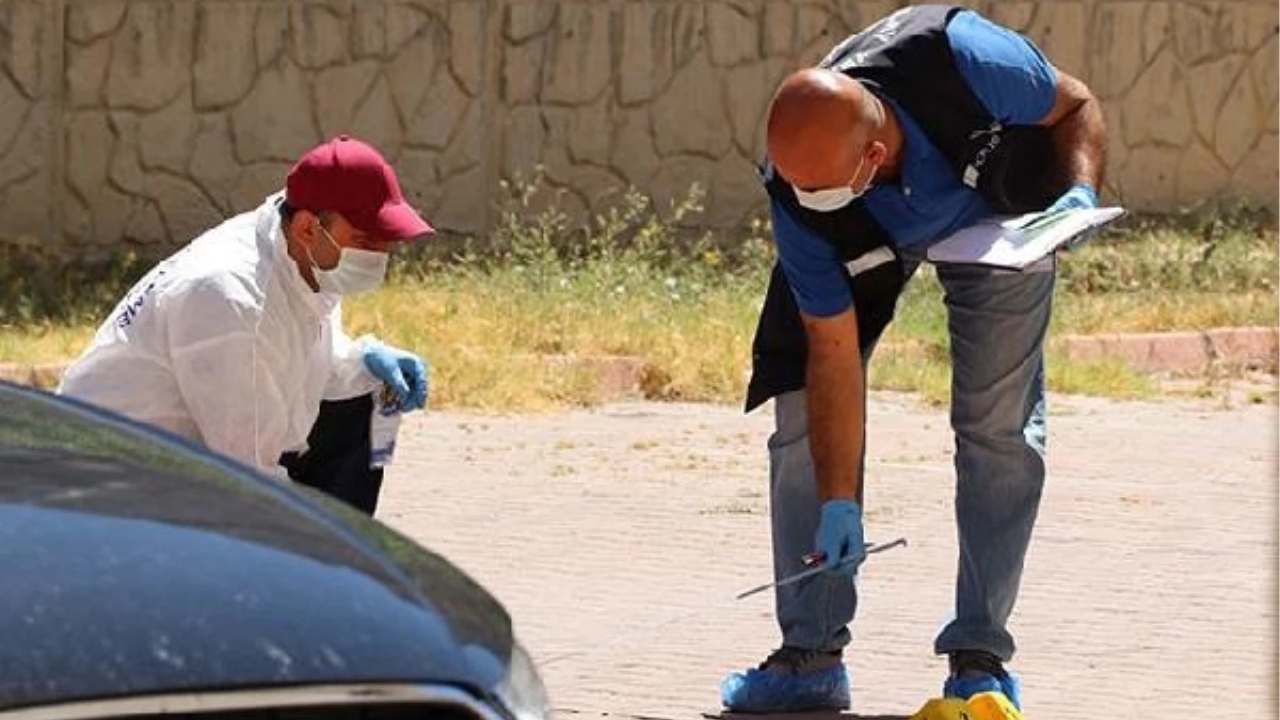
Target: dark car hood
129, 566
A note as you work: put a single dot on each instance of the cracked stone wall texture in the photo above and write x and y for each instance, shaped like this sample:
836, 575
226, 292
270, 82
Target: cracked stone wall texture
142, 122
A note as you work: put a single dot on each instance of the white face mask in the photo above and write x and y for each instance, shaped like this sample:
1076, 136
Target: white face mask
357, 271
832, 199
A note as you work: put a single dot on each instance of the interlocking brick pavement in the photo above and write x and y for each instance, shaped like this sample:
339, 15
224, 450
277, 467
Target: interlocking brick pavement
618, 538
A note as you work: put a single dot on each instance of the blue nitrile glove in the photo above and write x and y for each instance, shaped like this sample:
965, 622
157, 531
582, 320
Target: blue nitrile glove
402, 371
840, 536
1080, 197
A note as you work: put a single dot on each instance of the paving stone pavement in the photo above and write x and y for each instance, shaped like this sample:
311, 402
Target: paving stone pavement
619, 536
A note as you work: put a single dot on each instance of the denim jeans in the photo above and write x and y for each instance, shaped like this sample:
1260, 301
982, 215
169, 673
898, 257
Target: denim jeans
997, 321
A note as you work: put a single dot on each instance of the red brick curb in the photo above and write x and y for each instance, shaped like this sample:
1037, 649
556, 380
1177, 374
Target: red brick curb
1253, 348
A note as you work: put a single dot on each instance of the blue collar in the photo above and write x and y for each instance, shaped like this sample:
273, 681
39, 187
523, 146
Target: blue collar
918, 153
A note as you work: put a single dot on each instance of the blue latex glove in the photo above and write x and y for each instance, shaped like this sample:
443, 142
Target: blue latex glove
840, 536
402, 371
1081, 196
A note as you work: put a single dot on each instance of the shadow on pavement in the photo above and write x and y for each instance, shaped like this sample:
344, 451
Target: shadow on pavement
816, 715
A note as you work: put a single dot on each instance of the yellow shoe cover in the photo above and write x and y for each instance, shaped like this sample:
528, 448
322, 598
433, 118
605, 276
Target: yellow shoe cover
983, 706
943, 709
992, 706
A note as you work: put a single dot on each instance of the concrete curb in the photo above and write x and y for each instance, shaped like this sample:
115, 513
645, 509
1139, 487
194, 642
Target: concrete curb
621, 377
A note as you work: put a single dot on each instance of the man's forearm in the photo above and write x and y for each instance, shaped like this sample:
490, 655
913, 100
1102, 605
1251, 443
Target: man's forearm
837, 412
1080, 138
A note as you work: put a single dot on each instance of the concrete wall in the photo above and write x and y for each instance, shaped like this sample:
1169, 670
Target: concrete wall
144, 121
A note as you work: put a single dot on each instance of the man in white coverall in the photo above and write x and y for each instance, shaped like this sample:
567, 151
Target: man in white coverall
236, 340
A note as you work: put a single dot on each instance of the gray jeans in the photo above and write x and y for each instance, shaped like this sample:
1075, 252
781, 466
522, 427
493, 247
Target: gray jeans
997, 323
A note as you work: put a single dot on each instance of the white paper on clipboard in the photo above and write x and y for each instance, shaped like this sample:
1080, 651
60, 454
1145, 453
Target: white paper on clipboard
1017, 241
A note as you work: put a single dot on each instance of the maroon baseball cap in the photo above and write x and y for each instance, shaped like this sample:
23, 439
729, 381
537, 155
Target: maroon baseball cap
352, 178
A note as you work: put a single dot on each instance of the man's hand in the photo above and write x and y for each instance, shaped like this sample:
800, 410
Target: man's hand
1081, 196
839, 536
402, 371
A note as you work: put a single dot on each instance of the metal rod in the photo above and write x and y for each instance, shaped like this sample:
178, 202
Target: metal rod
815, 559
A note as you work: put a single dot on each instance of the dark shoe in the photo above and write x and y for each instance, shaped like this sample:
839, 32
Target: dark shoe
975, 671
789, 680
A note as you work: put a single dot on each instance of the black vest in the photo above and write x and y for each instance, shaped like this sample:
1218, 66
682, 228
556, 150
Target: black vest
906, 57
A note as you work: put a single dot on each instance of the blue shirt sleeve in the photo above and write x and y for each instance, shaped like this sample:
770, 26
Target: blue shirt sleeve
817, 277
1007, 72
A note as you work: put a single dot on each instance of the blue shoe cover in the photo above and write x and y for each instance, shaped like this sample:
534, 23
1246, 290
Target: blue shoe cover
971, 684
770, 691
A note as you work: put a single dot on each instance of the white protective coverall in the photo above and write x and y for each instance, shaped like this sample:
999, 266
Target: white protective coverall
225, 343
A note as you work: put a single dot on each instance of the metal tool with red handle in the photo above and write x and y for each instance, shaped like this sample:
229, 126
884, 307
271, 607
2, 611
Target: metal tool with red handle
814, 561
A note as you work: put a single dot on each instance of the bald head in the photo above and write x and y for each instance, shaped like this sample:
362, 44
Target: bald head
820, 122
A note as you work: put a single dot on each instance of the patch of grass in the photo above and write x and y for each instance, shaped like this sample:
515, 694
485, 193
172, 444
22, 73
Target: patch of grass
484, 334
912, 365
1232, 250
36, 343
1155, 310
39, 289
1108, 378
631, 284
635, 281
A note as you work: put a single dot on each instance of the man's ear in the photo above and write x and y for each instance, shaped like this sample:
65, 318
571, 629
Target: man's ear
877, 152
304, 226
